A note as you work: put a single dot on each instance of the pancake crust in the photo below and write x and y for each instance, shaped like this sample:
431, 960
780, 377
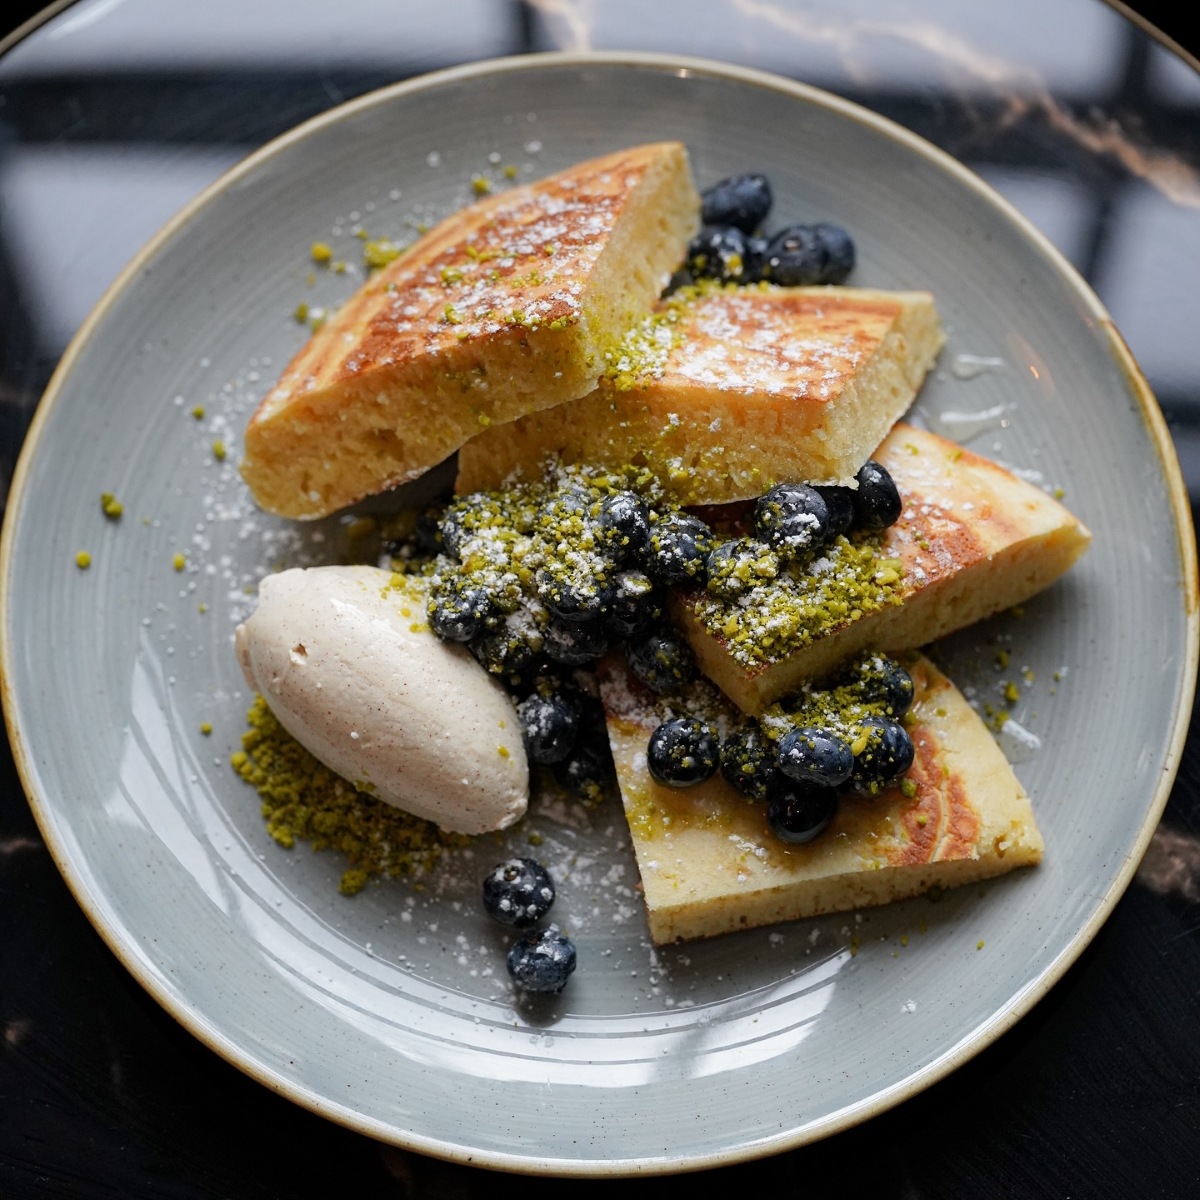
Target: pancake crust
973, 540
710, 863
759, 386
504, 308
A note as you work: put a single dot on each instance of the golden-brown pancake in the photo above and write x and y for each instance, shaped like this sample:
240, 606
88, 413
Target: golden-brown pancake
723, 393
972, 540
504, 308
711, 864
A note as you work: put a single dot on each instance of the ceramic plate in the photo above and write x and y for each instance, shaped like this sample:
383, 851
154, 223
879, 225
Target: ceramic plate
390, 1011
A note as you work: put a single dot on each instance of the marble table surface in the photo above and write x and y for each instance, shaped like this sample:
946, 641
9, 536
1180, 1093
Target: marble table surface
114, 113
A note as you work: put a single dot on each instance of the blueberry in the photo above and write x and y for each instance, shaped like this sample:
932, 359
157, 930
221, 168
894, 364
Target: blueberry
888, 754
624, 526
677, 548
815, 756
737, 566
839, 503
549, 725
451, 531
662, 661
884, 681
458, 608
518, 892
457, 522
839, 246
429, 533
792, 518
877, 503
808, 254
636, 604
573, 644
508, 650
569, 506
720, 252
799, 812
742, 201
588, 770
542, 961
574, 596
756, 258
794, 257
680, 279
748, 764
683, 752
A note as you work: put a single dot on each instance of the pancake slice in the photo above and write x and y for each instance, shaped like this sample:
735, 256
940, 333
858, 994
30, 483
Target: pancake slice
506, 307
973, 540
710, 863
725, 391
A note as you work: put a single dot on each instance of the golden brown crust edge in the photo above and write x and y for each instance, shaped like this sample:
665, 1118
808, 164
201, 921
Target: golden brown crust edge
964, 565
504, 308
714, 436
714, 866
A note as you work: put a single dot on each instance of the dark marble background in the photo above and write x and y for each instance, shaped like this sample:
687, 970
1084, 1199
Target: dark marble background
116, 112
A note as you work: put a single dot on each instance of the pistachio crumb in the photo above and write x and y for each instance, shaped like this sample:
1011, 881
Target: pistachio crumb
83, 560
110, 506
179, 562
218, 449
321, 252
304, 800
198, 412
979, 944
352, 882
205, 728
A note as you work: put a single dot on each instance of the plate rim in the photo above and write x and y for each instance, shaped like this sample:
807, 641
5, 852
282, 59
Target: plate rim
1001, 1021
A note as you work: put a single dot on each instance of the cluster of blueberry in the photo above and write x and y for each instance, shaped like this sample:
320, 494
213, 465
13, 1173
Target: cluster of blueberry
603, 561
600, 562
864, 749
519, 893
562, 727
732, 249
793, 520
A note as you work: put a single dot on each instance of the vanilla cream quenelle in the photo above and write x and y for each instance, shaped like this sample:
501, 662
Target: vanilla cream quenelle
347, 664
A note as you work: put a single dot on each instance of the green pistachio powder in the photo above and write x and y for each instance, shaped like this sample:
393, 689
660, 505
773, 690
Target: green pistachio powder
762, 607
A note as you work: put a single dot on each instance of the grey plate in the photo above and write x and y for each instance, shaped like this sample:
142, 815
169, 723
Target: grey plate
390, 1012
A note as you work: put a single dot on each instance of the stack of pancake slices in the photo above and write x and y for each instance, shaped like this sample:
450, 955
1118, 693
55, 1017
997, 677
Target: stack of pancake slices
530, 332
